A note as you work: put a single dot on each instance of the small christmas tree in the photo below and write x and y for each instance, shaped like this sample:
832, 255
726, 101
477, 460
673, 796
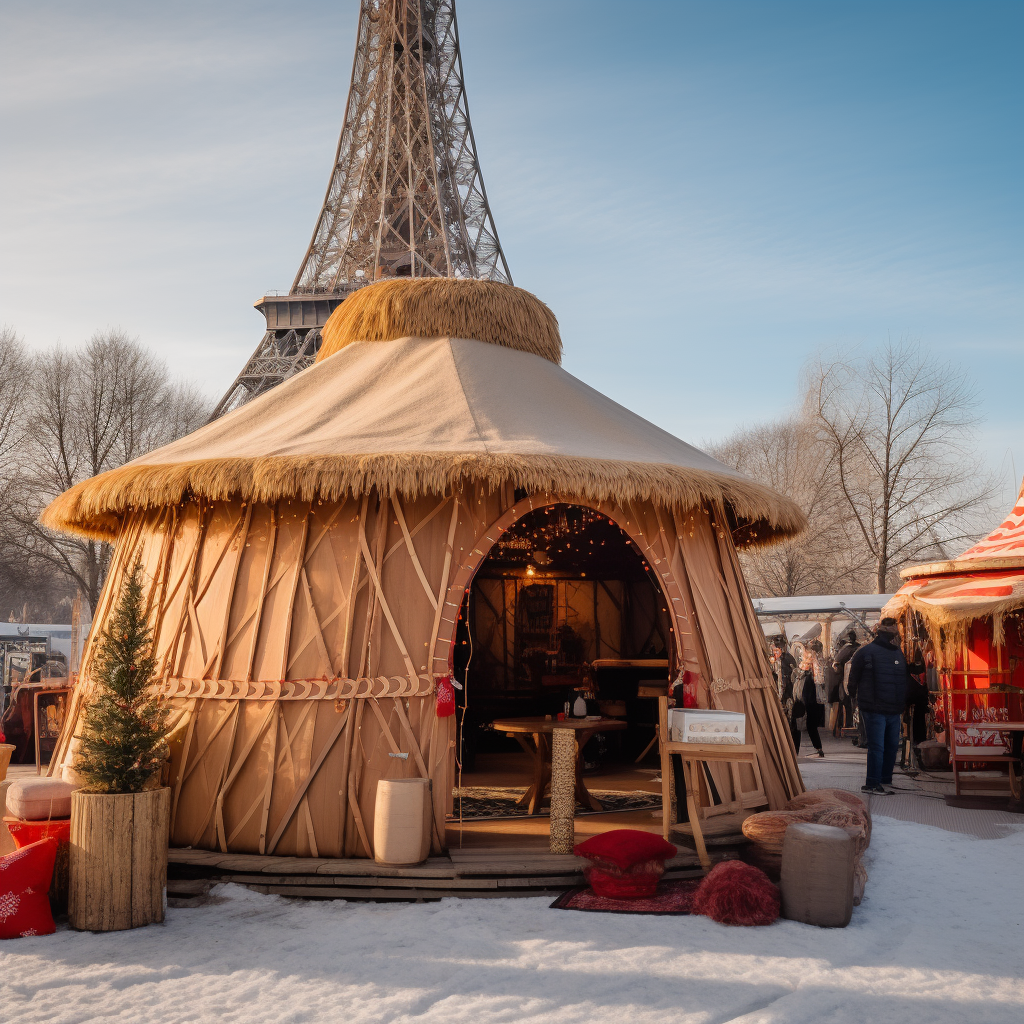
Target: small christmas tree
123, 741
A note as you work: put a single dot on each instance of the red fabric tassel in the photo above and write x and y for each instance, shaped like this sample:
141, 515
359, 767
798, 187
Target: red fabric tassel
690, 682
445, 697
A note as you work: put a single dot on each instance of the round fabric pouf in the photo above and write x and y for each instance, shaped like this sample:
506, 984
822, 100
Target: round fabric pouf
737, 893
817, 875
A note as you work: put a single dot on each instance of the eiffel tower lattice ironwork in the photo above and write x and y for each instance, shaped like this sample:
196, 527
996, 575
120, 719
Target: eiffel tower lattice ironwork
406, 197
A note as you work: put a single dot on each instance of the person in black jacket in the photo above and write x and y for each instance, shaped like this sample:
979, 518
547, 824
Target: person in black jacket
878, 682
783, 664
803, 697
847, 650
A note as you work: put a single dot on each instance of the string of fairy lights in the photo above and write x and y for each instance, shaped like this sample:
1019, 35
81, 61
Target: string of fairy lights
552, 531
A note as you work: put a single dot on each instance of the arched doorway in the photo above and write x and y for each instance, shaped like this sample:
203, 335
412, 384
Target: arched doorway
563, 605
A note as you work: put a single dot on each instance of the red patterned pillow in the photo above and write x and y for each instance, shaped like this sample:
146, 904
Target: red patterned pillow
24, 890
624, 847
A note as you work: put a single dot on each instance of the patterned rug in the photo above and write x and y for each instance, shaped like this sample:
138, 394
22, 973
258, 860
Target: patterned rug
671, 898
500, 801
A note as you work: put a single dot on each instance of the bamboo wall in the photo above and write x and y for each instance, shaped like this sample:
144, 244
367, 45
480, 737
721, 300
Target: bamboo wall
297, 646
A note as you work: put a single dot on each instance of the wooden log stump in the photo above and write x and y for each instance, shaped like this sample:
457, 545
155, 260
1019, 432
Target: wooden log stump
563, 790
118, 871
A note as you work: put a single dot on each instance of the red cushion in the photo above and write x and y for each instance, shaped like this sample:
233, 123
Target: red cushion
25, 833
24, 890
638, 885
737, 893
625, 847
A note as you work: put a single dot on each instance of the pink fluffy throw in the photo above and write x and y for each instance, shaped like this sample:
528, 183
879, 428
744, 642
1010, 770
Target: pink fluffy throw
737, 893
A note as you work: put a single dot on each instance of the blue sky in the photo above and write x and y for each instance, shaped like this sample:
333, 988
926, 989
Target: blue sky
705, 193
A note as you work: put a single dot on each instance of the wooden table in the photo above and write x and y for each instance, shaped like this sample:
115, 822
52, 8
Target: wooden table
539, 729
690, 754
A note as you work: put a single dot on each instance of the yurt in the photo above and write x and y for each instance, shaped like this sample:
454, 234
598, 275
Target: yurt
972, 610
315, 565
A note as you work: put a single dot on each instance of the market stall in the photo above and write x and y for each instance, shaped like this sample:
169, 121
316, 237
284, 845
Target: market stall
970, 610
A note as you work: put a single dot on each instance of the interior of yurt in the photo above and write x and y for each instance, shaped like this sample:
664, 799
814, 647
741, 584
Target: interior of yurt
413, 557
968, 612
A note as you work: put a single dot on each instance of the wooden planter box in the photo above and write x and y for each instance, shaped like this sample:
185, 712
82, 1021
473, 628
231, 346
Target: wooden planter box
118, 873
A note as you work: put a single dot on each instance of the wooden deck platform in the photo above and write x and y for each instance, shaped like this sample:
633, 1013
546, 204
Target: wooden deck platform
510, 865
485, 857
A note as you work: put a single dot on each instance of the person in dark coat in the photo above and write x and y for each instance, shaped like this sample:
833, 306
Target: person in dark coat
878, 682
841, 697
783, 664
804, 696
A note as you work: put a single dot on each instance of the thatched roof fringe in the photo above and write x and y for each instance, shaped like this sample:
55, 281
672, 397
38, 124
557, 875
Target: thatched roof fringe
94, 508
500, 314
954, 622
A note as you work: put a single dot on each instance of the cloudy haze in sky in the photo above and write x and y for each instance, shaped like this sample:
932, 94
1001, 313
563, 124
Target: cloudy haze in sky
706, 194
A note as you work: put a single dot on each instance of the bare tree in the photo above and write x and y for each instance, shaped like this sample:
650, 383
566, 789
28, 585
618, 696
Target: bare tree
88, 412
789, 456
899, 427
28, 590
184, 408
13, 375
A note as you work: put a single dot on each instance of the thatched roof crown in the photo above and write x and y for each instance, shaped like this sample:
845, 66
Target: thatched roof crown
444, 307
426, 413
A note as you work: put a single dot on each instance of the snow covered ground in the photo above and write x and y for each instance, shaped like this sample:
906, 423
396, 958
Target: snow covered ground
939, 938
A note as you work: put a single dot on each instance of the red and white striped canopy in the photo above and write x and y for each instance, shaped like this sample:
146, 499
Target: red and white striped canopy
1005, 541
964, 596
987, 579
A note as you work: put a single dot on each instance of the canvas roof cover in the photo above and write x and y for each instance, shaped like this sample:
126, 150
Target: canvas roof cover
421, 415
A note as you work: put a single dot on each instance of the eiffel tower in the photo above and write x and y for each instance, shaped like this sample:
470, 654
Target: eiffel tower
405, 198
